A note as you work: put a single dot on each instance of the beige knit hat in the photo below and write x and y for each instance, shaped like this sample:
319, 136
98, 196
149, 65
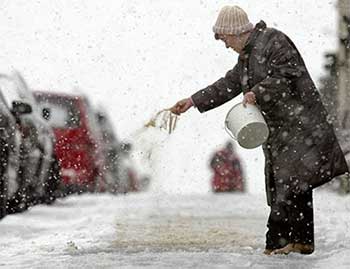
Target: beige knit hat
232, 20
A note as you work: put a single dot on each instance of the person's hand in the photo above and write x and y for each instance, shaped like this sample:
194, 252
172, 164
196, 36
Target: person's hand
249, 98
181, 106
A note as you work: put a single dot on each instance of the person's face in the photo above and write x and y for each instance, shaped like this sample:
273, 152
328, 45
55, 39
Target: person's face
231, 41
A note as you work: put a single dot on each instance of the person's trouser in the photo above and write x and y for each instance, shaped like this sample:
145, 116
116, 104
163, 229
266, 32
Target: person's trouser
291, 221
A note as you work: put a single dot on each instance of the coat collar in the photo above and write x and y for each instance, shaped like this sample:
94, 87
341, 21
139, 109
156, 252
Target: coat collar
259, 27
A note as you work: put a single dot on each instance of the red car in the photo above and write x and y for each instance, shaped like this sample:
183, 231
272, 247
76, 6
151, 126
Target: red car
77, 146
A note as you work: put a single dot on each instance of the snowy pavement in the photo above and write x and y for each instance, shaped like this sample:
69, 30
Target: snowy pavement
150, 230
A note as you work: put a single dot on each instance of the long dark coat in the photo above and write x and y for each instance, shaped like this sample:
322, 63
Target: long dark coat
302, 151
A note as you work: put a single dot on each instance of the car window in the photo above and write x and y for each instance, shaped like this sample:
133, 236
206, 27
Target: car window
63, 111
10, 91
106, 128
23, 89
91, 118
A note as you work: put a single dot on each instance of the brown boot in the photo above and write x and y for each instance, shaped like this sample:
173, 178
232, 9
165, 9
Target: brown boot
285, 250
268, 251
304, 248
294, 247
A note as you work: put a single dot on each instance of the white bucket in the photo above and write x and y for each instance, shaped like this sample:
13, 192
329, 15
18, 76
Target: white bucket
246, 125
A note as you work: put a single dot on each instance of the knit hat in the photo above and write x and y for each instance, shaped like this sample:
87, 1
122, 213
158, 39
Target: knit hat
232, 20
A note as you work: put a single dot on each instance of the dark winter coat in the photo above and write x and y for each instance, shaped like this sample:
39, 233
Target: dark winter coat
301, 151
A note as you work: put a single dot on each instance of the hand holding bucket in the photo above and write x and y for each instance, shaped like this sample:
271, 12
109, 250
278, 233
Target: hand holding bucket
246, 124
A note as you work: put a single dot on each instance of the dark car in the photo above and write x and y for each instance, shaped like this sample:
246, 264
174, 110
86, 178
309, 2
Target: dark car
116, 174
10, 142
120, 171
77, 145
38, 173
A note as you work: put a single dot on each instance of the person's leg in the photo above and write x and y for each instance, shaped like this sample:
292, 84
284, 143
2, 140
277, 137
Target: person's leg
302, 219
301, 224
277, 235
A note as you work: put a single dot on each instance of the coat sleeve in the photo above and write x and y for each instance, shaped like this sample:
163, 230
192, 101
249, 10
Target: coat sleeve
284, 64
219, 92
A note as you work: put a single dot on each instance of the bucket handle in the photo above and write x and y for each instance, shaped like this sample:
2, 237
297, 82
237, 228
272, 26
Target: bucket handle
229, 132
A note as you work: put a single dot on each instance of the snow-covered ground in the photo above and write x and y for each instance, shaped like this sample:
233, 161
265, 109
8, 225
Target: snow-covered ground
166, 231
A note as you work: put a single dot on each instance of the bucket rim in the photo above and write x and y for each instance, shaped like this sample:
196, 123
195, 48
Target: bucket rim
234, 106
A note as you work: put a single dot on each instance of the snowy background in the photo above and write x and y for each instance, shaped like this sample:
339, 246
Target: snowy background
138, 57
135, 58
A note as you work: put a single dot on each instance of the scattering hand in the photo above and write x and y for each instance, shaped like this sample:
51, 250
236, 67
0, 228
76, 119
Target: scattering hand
181, 106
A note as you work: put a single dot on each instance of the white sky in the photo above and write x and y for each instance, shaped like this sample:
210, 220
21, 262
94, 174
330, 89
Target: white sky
138, 56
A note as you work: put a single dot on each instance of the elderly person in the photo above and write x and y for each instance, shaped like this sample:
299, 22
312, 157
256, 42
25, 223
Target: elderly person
301, 152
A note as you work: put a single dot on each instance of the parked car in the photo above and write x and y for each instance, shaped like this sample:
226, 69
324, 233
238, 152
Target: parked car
120, 170
10, 142
49, 171
116, 172
77, 144
38, 173
110, 148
